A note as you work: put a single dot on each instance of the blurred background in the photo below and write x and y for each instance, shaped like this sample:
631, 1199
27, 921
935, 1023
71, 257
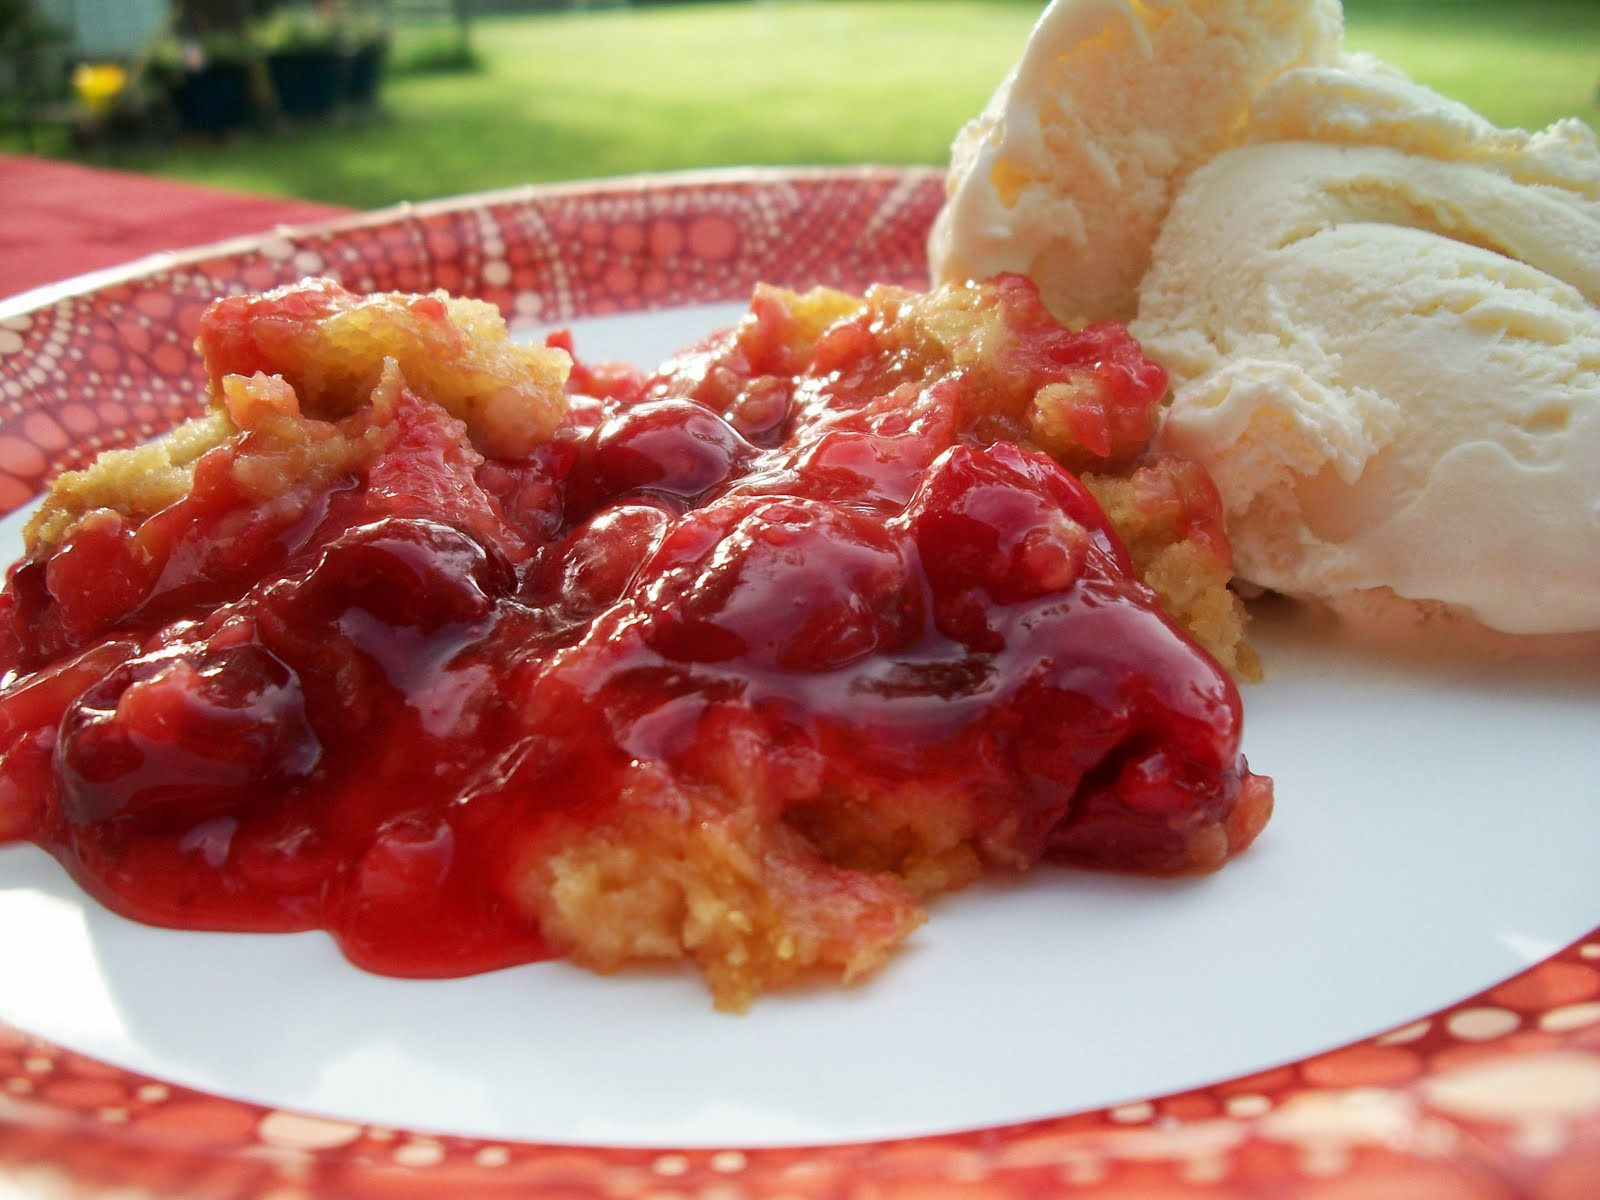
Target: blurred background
363, 103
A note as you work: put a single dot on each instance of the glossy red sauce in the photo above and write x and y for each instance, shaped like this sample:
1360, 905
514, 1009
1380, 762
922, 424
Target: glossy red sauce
357, 707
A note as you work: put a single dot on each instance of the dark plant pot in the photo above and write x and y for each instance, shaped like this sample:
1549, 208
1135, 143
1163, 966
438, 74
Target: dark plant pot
363, 72
306, 82
214, 100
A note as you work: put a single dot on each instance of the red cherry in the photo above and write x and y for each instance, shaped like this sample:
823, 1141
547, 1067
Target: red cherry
671, 448
178, 736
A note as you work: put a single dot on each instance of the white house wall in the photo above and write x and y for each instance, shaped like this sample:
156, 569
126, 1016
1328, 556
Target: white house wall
106, 28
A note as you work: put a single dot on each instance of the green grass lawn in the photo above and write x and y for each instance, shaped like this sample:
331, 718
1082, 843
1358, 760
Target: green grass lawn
594, 93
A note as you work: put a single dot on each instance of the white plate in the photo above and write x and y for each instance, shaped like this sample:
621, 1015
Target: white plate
1434, 835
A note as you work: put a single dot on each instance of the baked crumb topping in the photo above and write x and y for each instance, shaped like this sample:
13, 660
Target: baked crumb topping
472, 658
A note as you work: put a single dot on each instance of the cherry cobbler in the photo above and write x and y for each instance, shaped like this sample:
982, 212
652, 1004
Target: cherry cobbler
471, 654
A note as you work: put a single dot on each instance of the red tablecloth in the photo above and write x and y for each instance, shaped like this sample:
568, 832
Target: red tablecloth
60, 219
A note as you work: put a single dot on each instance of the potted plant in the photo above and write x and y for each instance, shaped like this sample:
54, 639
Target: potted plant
366, 50
304, 53
208, 65
211, 80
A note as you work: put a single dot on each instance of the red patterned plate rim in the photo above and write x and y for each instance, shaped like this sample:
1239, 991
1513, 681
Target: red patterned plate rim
423, 211
1497, 1095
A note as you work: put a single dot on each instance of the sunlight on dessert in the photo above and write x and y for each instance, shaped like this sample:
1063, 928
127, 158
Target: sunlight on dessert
473, 654
1379, 311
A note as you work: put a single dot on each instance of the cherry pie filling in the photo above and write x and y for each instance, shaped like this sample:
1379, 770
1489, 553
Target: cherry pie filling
738, 661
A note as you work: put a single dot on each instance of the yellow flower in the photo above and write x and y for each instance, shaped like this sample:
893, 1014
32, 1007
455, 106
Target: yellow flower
98, 84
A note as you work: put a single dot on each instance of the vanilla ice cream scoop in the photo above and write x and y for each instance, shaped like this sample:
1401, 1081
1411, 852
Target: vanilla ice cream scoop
1361, 101
1379, 312
1391, 366
1067, 173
